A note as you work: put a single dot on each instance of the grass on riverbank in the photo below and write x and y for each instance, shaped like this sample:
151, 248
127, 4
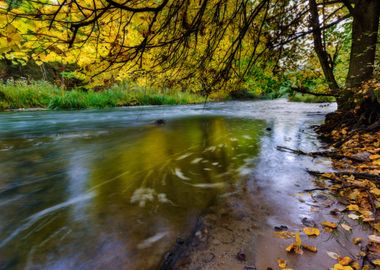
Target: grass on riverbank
40, 94
310, 98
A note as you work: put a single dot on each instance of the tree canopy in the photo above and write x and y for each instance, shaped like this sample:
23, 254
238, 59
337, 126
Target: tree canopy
209, 44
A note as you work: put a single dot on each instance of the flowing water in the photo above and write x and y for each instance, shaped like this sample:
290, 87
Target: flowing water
112, 189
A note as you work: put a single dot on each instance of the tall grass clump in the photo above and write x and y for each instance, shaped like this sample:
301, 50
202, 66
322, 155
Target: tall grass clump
20, 94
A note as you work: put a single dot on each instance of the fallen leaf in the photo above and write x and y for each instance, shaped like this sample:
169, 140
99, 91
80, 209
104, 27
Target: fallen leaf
346, 227
370, 219
310, 248
329, 224
376, 262
353, 216
376, 226
333, 255
373, 157
298, 239
296, 246
311, 231
284, 234
374, 238
357, 240
345, 260
375, 191
353, 207
281, 263
342, 267
355, 265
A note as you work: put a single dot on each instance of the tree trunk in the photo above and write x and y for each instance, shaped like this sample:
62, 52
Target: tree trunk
324, 59
365, 28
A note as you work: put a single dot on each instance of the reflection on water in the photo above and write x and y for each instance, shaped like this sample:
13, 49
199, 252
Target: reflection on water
114, 198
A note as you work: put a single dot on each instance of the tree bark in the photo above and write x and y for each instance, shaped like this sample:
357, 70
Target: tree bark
365, 28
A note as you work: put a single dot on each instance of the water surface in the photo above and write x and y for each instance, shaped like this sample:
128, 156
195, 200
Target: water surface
112, 190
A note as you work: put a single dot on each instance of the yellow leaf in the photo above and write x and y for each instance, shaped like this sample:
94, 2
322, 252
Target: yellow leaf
376, 262
355, 265
345, 260
377, 226
311, 231
281, 263
329, 224
284, 234
290, 247
310, 248
373, 157
375, 191
353, 207
357, 240
342, 267
298, 239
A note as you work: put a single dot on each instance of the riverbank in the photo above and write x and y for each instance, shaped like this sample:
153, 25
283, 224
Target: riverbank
325, 221
41, 95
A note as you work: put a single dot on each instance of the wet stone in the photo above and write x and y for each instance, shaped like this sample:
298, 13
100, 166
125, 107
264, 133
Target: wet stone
280, 228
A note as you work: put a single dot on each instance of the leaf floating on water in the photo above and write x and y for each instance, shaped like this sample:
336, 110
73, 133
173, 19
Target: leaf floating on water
329, 224
333, 255
346, 227
284, 234
180, 175
298, 239
311, 231
310, 248
341, 267
357, 240
281, 263
296, 246
345, 261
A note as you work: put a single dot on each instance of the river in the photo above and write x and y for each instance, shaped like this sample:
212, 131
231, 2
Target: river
112, 189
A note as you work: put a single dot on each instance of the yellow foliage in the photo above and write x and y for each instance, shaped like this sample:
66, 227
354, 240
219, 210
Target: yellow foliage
329, 224
311, 231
